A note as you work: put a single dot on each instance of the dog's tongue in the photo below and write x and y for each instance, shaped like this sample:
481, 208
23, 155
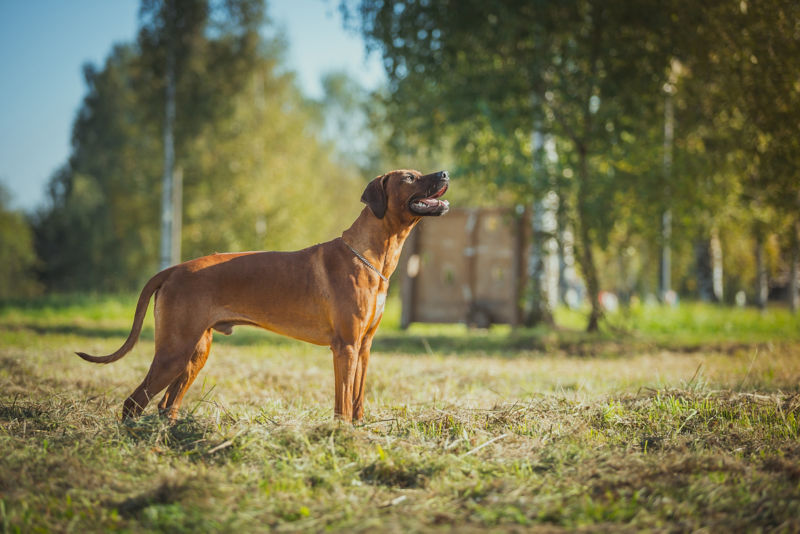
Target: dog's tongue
439, 193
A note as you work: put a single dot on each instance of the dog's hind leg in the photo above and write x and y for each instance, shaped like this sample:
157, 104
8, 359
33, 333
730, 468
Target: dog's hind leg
173, 397
169, 362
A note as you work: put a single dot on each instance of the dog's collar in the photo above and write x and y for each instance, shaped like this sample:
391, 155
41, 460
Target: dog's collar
366, 261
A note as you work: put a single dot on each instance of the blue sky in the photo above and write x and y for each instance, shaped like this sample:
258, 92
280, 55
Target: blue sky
44, 43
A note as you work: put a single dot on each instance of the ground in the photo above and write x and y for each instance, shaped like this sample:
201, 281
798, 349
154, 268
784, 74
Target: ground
673, 420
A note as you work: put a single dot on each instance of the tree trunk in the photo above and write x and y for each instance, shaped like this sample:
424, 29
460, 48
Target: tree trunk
584, 246
177, 214
665, 266
543, 262
570, 289
590, 274
665, 282
167, 201
708, 264
716, 265
794, 270
762, 287
703, 270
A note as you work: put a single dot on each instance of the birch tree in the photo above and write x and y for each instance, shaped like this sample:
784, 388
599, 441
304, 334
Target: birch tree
593, 68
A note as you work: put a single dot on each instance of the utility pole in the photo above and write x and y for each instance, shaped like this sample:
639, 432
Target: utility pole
177, 210
167, 202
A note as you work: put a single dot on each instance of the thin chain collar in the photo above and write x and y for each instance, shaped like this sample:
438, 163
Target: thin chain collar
366, 262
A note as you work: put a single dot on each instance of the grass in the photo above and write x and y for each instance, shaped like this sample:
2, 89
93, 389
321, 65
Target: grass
670, 419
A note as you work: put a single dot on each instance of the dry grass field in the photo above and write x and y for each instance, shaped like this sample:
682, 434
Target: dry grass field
669, 420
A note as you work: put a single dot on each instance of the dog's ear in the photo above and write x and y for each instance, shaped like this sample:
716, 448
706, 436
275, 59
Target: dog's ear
374, 196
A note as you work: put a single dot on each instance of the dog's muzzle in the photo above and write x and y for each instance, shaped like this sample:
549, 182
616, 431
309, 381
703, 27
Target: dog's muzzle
430, 203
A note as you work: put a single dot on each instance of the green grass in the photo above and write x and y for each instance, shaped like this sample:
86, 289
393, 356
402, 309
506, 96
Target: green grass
669, 419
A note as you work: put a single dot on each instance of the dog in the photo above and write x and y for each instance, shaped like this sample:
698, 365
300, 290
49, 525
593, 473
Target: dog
329, 294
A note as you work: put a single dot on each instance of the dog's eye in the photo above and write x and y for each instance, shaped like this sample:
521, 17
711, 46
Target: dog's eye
408, 178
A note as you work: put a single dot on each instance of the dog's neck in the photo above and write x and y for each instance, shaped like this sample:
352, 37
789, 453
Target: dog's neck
380, 241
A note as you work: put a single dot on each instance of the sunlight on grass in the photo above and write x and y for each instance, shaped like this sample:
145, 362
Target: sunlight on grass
634, 427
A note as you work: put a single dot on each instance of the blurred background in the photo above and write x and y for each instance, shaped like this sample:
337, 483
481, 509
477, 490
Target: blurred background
651, 148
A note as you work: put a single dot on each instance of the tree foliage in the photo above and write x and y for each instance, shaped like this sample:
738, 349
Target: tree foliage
256, 175
19, 265
586, 72
739, 104
594, 76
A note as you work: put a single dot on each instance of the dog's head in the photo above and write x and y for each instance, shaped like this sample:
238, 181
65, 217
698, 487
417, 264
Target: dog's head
407, 194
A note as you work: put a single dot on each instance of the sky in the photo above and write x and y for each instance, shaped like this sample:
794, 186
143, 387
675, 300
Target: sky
45, 43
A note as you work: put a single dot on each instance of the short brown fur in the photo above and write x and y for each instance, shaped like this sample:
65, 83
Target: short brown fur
323, 294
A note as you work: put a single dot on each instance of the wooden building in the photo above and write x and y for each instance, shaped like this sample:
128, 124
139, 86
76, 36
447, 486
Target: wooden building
466, 267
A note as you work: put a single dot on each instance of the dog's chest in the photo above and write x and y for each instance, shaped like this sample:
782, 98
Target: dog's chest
380, 304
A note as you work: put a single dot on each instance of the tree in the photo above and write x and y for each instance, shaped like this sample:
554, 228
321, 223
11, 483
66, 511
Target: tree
256, 175
18, 268
587, 72
746, 108
95, 230
173, 43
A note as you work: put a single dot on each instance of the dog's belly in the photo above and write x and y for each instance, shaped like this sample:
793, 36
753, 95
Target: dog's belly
300, 317
304, 327
303, 334
276, 291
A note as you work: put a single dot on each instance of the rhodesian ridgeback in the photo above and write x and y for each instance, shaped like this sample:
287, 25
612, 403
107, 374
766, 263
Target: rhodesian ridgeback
330, 294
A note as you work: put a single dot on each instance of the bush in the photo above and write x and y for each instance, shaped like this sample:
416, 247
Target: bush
17, 269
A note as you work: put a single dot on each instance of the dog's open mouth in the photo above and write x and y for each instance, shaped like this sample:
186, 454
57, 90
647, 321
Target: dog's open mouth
430, 205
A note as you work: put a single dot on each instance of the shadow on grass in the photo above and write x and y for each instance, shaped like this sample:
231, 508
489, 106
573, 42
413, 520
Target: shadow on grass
82, 331
21, 410
63, 301
527, 343
519, 343
505, 344
167, 492
241, 337
187, 434
468, 342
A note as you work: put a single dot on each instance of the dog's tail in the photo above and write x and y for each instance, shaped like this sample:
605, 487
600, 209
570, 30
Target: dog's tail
138, 318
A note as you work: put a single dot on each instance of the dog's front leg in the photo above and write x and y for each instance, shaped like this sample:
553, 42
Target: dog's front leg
361, 375
345, 361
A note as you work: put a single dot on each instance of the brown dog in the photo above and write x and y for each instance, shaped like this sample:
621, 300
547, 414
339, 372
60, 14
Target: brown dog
328, 294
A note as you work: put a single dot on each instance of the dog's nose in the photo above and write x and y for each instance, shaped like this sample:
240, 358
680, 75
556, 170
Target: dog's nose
443, 175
